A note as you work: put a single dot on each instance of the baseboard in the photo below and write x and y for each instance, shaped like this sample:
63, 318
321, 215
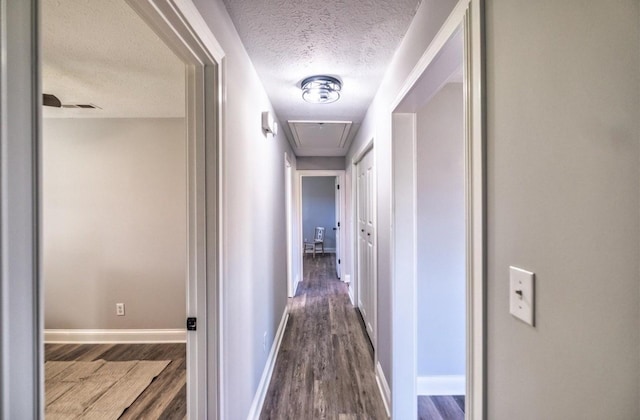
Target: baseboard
59, 336
263, 386
318, 252
441, 385
383, 386
295, 284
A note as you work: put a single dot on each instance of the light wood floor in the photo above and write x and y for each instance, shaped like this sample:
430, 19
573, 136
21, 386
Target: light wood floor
325, 365
164, 398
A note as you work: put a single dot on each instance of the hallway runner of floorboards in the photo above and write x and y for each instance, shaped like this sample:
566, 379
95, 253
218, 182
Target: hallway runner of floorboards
325, 364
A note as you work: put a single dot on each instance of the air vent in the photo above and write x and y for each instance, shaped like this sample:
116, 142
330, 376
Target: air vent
82, 106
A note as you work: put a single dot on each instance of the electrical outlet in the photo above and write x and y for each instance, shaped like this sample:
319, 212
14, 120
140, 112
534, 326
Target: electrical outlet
264, 341
120, 309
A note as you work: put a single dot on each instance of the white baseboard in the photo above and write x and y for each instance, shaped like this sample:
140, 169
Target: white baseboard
383, 386
58, 336
265, 380
326, 251
295, 284
441, 385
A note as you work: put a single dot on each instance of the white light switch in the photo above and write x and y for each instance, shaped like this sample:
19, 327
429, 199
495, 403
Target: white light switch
521, 294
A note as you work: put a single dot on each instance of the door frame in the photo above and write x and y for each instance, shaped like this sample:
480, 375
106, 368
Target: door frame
357, 157
181, 26
288, 208
340, 174
467, 15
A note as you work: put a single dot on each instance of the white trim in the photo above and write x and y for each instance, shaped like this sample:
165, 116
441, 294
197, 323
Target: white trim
297, 192
265, 380
347, 280
343, 137
115, 336
201, 30
448, 28
179, 24
21, 287
357, 157
403, 261
468, 15
383, 387
476, 161
288, 204
441, 385
319, 252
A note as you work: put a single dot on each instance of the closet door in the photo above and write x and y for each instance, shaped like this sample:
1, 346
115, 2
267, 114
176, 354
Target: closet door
366, 242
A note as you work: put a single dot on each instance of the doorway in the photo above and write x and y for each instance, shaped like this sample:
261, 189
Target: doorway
438, 222
113, 210
321, 193
180, 25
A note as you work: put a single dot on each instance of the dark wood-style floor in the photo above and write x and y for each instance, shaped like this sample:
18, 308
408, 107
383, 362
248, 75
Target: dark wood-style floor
325, 366
164, 398
441, 408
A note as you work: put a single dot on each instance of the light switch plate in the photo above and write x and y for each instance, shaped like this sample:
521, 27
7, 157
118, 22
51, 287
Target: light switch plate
521, 297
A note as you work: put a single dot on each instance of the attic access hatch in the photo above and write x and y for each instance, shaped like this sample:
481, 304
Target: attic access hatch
320, 138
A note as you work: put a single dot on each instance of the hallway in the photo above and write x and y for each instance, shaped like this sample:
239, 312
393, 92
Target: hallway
325, 363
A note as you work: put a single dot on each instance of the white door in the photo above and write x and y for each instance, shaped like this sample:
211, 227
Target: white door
366, 242
337, 228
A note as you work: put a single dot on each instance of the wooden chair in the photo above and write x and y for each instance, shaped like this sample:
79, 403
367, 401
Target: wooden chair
318, 239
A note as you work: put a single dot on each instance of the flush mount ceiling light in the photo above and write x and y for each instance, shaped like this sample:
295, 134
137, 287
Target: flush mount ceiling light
321, 89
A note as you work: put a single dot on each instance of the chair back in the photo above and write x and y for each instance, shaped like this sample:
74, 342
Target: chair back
319, 234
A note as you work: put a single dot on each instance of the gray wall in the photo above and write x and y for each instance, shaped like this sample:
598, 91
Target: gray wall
320, 162
319, 208
563, 201
441, 234
377, 125
563, 94
254, 289
114, 222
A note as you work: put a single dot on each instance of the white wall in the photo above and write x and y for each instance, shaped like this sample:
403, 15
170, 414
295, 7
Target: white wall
377, 125
441, 234
114, 222
563, 102
254, 260
320, 163
319, 208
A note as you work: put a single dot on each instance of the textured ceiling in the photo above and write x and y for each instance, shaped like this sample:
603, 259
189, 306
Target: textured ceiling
101, 52
289, 40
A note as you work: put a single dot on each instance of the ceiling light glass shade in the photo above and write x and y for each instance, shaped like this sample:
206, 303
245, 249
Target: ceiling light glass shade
321, 89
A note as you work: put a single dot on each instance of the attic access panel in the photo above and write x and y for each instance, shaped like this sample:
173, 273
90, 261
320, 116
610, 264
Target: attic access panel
320, 135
